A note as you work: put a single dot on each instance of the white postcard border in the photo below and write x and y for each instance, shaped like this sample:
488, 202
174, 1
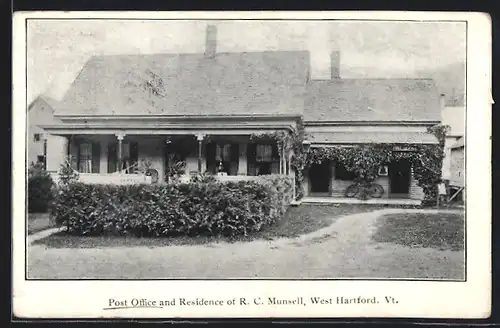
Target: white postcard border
416, 299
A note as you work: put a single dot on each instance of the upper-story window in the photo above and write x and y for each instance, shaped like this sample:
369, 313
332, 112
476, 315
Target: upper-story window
36, 137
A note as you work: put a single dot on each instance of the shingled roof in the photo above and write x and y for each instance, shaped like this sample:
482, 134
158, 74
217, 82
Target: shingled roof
372, 100
265, 83
241, 83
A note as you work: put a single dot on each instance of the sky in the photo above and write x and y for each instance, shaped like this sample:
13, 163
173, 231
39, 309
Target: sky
57, 49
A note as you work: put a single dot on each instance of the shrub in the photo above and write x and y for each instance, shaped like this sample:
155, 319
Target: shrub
203, 178
201, 206
40, 189
67, 174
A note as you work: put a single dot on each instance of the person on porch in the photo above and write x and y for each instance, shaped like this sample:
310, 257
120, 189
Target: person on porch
220, 169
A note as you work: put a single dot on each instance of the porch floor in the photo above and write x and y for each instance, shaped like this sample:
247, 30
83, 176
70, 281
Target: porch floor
382, 201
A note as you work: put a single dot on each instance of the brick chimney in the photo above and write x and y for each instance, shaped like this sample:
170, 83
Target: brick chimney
211, 41
335, 64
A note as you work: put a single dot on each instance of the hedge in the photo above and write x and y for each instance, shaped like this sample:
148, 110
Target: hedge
40, 189
194, 208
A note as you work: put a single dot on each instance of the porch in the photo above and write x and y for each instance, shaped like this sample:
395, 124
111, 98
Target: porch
131, 159
316, 199
327, 183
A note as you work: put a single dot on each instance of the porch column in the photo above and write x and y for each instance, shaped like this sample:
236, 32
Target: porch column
200, 138
45, 150
282, 166
69, 140
120, 137
289, 166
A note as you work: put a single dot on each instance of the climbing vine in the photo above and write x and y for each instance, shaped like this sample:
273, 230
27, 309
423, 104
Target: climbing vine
365, 159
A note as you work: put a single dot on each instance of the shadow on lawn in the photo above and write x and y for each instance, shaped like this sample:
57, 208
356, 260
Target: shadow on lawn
443, 231
298, 221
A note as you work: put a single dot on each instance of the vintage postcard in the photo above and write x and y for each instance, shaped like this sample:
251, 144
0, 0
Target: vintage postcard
251, 164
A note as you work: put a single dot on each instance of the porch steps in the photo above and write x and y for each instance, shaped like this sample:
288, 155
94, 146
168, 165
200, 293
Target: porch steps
381, 201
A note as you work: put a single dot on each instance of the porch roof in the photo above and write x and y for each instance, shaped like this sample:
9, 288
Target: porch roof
372, 137
161, 125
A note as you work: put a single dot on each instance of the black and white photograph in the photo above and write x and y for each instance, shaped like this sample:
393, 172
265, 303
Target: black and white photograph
283, 150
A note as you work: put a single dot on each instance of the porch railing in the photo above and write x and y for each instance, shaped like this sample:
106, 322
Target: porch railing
109, 178
224, 178
118, 179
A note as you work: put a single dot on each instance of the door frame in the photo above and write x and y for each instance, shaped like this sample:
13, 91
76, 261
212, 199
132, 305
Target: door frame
391, 174
330, 176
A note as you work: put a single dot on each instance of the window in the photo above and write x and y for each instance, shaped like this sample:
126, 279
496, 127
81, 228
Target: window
130, 157
266, 159
40, 159
264, 153
85, 160
341, 173
223, 153
383, 171
36, 137
223, 158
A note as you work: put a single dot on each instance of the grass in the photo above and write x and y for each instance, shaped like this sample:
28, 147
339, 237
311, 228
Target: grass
443, 231
38, 222
297, 221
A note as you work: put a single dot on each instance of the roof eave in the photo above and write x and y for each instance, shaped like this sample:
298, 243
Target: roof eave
370, 122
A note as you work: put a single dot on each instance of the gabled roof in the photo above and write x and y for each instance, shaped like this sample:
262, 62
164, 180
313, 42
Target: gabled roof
270, 82
48, 100
246, 83
372, 100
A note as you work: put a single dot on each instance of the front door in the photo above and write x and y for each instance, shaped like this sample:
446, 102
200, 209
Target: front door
399, 176
320, 176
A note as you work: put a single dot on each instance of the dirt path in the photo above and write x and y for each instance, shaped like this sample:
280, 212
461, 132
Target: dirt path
343, 250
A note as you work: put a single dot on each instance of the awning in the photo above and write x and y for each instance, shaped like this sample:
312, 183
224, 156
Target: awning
371, 137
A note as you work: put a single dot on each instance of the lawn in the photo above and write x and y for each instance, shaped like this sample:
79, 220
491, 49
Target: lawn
442, 231
38, 222
298, 221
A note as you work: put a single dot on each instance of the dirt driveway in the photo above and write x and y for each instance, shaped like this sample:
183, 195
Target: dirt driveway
343, 250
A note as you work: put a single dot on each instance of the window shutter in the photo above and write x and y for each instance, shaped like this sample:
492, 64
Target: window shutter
96, 157
112, 157
134, 154
75, 154
210, 153
275, 154
235, 154
251, 158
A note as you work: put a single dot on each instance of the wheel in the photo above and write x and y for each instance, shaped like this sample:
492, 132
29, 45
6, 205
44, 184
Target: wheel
376, 190
351, 191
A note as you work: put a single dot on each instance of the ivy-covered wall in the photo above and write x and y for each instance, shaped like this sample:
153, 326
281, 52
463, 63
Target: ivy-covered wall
365, 159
